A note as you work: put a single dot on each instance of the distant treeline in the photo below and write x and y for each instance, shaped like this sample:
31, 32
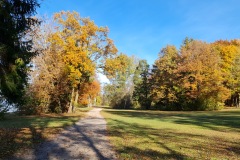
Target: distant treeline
198, 76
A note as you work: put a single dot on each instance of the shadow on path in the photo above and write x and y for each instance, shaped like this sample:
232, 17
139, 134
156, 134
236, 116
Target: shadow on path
84, 140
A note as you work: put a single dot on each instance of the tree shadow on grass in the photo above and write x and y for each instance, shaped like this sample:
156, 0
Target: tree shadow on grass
14, 140
138, 154
167, 143
211, 120
21, 134
147, 136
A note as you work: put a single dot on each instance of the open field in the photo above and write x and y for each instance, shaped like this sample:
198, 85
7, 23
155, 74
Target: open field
18, 133
174, 135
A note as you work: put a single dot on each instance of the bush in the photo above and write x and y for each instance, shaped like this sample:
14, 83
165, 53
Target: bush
211, 104
136, 105
30, 107
120, 102
187, 104
202, 104
80, 105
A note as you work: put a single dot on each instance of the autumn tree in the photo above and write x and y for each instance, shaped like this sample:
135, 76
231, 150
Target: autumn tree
229, 52
48, 90
201, 78
119, 70
89, 92
15, 48
107, 96
78, 47
164, 79
83, 45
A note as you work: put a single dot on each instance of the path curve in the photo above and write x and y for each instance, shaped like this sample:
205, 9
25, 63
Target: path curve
85, 140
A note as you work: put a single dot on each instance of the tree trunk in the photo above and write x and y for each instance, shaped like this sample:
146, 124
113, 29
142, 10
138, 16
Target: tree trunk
71, 102
237, 100
89, 102
125, 103
95, 101
75, 101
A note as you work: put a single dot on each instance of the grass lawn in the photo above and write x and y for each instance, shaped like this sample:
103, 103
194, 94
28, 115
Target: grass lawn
174, 135
19, 133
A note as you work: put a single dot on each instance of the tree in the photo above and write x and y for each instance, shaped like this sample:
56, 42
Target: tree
119, 70
48, 90
201, 78
83, 45
229, 52
15, 47
142, 85
89, 92
75, 49
164, 79
108, 94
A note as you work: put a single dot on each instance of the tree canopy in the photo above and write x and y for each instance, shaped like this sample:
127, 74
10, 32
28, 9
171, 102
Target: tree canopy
76, 49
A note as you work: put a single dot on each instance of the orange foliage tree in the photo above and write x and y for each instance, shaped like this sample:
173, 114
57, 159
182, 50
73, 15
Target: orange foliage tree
89, 92
200, 77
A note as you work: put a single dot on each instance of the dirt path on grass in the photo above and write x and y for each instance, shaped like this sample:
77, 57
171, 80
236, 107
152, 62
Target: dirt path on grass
85, 140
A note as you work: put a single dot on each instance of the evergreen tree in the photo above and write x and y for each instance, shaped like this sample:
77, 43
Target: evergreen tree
15, 47
142, 88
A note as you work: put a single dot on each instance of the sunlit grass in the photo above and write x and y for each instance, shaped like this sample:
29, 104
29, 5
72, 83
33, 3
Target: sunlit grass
18, 133
174, 135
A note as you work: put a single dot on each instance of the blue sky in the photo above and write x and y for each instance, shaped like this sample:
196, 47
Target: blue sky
143, 27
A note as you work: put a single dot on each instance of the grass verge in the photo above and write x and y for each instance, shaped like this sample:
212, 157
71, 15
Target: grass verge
20, 133
174, 135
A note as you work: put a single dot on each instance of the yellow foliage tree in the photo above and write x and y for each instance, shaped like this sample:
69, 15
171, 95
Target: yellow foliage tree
82, 46
229, 51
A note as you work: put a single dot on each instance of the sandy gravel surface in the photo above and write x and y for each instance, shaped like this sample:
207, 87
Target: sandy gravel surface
85, 140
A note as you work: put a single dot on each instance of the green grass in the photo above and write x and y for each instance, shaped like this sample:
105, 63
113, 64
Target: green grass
174, 135
18, 133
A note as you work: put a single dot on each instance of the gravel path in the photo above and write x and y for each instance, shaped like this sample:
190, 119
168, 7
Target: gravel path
85, 140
